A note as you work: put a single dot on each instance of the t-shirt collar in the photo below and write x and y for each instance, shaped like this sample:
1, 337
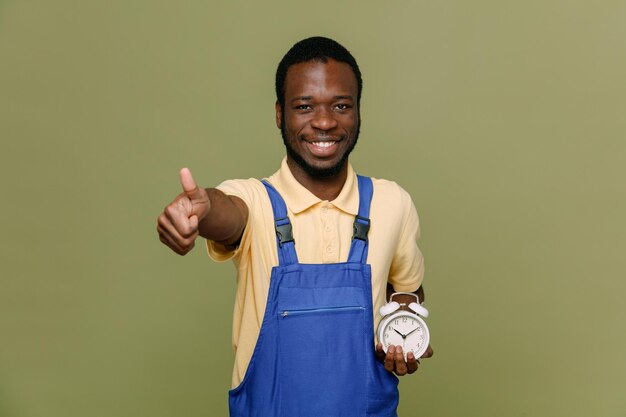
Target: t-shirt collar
299, 199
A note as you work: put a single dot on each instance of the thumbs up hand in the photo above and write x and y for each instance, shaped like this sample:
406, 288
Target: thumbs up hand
178, 224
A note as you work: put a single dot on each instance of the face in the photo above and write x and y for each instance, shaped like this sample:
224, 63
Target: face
320, 122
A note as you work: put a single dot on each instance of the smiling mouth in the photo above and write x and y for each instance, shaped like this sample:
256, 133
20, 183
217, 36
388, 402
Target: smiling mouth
323, 148
324, 144
322, 140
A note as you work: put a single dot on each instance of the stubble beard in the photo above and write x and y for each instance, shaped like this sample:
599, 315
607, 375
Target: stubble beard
311, 170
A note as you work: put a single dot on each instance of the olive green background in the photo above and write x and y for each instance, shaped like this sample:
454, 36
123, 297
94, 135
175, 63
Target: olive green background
504, 120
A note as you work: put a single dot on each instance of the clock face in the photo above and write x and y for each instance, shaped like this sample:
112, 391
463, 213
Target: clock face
406, 330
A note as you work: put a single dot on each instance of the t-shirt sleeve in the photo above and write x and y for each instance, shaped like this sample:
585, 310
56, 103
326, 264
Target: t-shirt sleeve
243, 189
407, 267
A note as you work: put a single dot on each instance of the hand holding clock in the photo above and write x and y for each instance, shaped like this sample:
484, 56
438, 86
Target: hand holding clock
403, 315
394, 359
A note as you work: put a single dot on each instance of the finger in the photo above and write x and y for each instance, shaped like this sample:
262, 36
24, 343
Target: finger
170, 241
380, 353
400, 362
172, 244
429, 352
193, 222
165, 227
189, 185
164, 239
411, 363
198, 197
178, 214
390, 364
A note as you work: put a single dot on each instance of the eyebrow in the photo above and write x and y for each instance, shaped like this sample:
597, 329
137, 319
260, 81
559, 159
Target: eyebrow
309, 98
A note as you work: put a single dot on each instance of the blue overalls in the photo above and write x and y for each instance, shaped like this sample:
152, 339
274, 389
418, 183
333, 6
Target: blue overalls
315, 353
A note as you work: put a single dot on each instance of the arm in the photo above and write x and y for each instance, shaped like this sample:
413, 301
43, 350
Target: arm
406, 272
419, 292
201, 212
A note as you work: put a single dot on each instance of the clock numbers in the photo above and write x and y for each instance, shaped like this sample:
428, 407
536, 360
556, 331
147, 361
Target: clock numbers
404, 330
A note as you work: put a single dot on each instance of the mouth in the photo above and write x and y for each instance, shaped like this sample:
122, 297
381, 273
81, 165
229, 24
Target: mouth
322, 148
323, 144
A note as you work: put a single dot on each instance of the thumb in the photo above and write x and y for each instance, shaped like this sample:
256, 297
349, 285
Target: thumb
189, 185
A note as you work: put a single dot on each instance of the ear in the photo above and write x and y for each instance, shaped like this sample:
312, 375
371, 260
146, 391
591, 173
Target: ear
279, 114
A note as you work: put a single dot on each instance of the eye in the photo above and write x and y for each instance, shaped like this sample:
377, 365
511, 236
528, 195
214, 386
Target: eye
343, 106
303, 107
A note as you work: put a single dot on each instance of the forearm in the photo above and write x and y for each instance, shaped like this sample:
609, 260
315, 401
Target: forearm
226, 219
419, 292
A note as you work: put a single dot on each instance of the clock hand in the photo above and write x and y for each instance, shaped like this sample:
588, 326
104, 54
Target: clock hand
411, 331
403, 335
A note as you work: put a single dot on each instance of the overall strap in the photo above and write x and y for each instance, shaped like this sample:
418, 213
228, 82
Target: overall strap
284, 236
358, 249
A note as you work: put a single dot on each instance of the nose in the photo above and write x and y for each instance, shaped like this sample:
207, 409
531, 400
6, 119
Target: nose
324, 120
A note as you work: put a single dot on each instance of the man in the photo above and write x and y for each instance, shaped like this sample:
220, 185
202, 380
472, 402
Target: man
311, 278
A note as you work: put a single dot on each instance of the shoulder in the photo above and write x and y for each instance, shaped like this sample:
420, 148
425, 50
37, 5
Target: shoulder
250, 190
389, 193
393, 206
259, 224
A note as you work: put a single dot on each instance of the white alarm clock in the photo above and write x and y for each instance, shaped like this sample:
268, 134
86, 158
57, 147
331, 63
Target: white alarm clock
402, 324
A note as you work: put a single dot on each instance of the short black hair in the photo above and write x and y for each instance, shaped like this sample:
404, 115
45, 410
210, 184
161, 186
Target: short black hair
316, 48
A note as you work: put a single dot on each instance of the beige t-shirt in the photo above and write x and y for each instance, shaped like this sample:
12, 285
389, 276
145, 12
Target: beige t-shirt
322, 232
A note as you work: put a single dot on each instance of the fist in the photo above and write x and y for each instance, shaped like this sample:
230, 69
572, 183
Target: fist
178, 224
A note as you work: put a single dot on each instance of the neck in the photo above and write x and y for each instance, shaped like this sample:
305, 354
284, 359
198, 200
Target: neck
325, 188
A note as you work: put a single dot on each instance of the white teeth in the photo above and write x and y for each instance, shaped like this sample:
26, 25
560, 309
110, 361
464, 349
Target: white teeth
323, 144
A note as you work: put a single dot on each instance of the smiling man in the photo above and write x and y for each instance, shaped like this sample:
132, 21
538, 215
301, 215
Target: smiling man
317, 249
